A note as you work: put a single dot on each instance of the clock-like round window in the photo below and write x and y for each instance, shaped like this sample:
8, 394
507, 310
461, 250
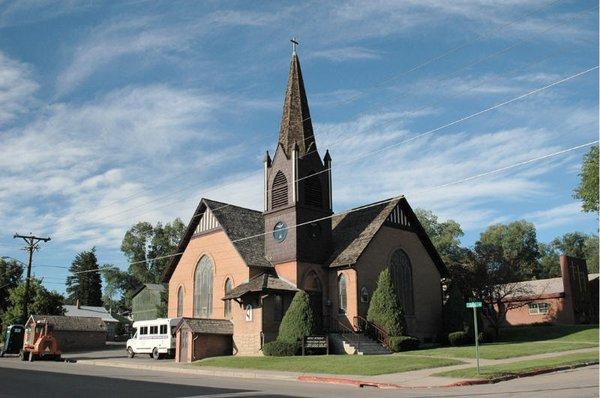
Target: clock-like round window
280, 231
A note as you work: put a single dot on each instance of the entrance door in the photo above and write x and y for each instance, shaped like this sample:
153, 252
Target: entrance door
312, 286
184, 354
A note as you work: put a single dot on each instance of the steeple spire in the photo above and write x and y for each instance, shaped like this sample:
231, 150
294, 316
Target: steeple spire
296, 126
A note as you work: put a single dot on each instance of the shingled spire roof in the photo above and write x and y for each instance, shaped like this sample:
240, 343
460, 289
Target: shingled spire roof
296, 126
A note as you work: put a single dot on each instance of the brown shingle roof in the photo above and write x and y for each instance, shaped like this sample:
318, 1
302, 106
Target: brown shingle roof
72, 323
353, 231
237, 222
207, 326
260, 283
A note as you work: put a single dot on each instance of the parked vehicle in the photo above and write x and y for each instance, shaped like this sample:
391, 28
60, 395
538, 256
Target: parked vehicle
39, 342
154, 337
13, 340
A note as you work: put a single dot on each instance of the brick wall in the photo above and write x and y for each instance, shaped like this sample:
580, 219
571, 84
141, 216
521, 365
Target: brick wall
426, 279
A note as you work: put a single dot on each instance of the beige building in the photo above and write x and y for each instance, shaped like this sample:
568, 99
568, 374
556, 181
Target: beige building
244, 266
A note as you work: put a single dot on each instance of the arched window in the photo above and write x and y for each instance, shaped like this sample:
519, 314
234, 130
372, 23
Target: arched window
180, 301
313, 195
401, 274
228, 287
364, 295
279, 191
342, 294
203, 288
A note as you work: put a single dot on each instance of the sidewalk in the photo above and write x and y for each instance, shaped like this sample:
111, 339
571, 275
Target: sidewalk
413, 379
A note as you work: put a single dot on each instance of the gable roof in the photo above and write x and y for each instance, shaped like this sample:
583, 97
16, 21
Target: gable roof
260, 283
536, 288
89, 311
72, 323
237, 222
154, 287
353, 231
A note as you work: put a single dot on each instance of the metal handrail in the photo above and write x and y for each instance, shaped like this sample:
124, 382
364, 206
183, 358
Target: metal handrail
372, 330
353, 333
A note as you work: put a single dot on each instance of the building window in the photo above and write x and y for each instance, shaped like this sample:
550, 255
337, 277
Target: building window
277, 307
228, 288
203, 288
401, 275
539, 308
364, 295
248, 313
342, 294
313, 195
180, 301
279, 191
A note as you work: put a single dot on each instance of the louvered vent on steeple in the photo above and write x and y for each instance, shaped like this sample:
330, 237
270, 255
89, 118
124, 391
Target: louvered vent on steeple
398, 218
279, 191
313, 194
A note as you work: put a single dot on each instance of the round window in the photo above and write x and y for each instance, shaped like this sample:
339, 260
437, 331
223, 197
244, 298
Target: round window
280, 231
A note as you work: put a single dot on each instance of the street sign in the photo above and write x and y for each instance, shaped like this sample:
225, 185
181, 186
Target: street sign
474, 304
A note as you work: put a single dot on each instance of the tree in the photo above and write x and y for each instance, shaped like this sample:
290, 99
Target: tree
10, 276
385, 309
512, 248
143, 243
41, 302
119, 287
299, 320
445, 236
503, 256
574, 244
587, 190
85, 284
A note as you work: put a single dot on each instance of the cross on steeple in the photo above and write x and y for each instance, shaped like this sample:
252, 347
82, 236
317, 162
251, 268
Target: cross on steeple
294, 44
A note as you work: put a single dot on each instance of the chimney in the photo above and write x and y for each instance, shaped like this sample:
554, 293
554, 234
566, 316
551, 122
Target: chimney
77, 304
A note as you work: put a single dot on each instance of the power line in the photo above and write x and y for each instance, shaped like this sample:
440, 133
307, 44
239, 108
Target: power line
469, 178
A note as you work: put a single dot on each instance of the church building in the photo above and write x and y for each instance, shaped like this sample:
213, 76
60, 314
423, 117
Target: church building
238, 269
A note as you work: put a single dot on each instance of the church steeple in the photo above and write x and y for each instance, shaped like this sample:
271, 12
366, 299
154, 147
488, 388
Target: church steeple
296, 125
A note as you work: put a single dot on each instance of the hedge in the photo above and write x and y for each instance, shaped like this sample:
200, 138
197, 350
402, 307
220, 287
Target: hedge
403, 343
458, 338
279, 348
299, 319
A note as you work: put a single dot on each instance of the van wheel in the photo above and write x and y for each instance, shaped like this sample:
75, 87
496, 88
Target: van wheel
130, 352
155, 354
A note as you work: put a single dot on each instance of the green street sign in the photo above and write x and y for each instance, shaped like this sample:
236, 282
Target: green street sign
474, 304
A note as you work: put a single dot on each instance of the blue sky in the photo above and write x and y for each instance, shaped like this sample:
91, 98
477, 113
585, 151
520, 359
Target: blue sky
113, 113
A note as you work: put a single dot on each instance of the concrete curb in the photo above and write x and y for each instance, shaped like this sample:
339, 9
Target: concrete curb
473, 382
344, 381
204, 372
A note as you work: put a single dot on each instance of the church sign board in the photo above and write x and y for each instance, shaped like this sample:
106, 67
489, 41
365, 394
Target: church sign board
315, 343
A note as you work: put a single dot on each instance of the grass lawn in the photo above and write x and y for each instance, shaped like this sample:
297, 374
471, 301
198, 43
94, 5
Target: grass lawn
521, 341
490, 372
333, 364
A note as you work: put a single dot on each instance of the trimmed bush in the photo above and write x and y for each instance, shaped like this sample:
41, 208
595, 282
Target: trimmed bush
298, 321
458, 338
403, 343
385, 310
280, 349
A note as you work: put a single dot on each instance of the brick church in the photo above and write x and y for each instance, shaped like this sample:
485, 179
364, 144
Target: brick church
238, 269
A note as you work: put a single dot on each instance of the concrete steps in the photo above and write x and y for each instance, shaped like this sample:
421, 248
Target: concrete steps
359, 344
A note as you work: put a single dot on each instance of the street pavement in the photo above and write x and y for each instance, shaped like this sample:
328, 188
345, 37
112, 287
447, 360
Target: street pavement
56, 379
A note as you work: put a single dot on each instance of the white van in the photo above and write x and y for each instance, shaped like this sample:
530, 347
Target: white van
155, 337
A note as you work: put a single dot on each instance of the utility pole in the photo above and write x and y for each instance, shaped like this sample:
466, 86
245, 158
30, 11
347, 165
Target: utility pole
33, 243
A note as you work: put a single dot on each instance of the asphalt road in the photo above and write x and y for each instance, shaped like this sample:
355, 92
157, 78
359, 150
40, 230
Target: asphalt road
50, 379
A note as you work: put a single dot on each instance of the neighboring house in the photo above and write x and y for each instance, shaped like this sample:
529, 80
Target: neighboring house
74, 333
244, 266
145, 302
566, 300
78, 310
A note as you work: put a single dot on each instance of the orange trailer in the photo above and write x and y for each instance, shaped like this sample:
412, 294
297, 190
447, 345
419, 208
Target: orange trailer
39, 342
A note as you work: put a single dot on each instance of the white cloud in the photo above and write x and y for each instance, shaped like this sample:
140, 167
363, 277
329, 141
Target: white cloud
17, 88
341, 54
557, 216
